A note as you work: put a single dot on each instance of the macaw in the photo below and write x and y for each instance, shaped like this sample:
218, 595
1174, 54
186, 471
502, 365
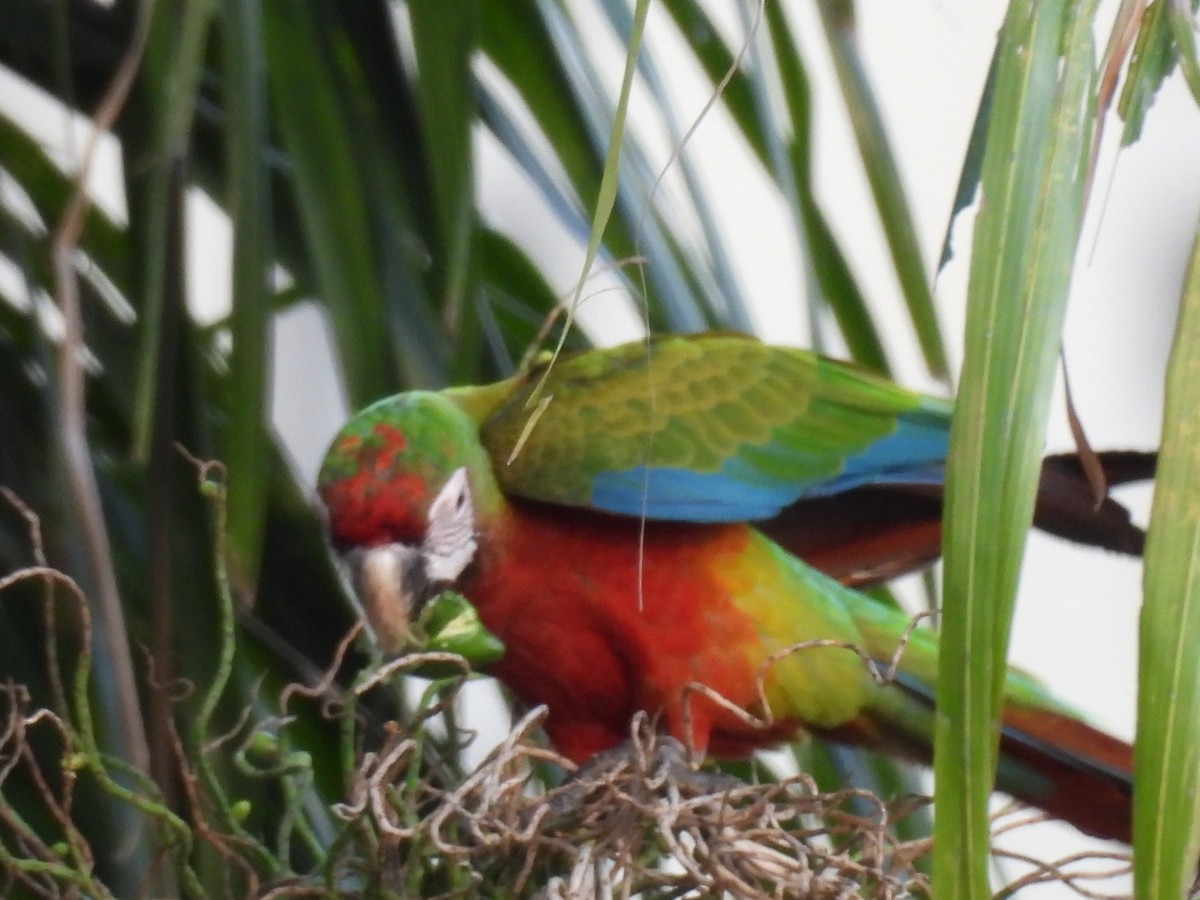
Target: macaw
609, 514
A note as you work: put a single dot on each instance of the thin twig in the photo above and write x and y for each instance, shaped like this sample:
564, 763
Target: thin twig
81, 485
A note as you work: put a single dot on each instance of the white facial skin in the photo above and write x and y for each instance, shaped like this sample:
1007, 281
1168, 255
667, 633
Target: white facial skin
450, 544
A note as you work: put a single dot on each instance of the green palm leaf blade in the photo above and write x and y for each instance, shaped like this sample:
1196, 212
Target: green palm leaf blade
829, 265
332, 135
249, 207
1025, 240
1166, 807
882, 174
445, 38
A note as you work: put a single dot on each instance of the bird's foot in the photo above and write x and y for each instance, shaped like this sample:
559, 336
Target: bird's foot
646, 762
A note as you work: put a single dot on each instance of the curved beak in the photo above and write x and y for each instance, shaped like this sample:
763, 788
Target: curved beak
392, 584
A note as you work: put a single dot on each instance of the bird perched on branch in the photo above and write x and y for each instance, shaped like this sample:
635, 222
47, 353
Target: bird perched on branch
632, 524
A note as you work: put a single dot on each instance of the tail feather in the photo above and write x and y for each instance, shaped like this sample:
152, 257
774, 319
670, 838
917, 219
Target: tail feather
1068, 507
863, 536
870, 534
1071, 770
1048, 758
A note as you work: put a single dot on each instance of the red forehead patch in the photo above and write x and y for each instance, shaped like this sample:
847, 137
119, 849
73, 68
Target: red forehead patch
378, 501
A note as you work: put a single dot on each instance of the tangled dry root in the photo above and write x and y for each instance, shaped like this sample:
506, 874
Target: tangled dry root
638, 819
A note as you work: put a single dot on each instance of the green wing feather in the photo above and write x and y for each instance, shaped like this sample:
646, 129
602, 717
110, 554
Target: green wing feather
707, 428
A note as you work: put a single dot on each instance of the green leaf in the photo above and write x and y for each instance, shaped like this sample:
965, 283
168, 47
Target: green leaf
787, 160
445, 37
1151, 62
721, 292
249, 206
972, 170
49, 188
828, 263
155, 135
306, 61
714, 57
1166, 804
1183, 31
515, 301
894, 215
515, 39
450, 624
571, 105
1026, 236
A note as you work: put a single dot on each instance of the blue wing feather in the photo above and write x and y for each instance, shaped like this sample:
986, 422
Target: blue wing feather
744, 488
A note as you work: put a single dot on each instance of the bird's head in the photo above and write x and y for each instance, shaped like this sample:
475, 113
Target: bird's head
402, 483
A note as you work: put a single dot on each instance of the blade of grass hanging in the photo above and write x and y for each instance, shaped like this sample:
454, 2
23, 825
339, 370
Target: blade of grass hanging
677, 288
606, 197
1024, 245
1166, 807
